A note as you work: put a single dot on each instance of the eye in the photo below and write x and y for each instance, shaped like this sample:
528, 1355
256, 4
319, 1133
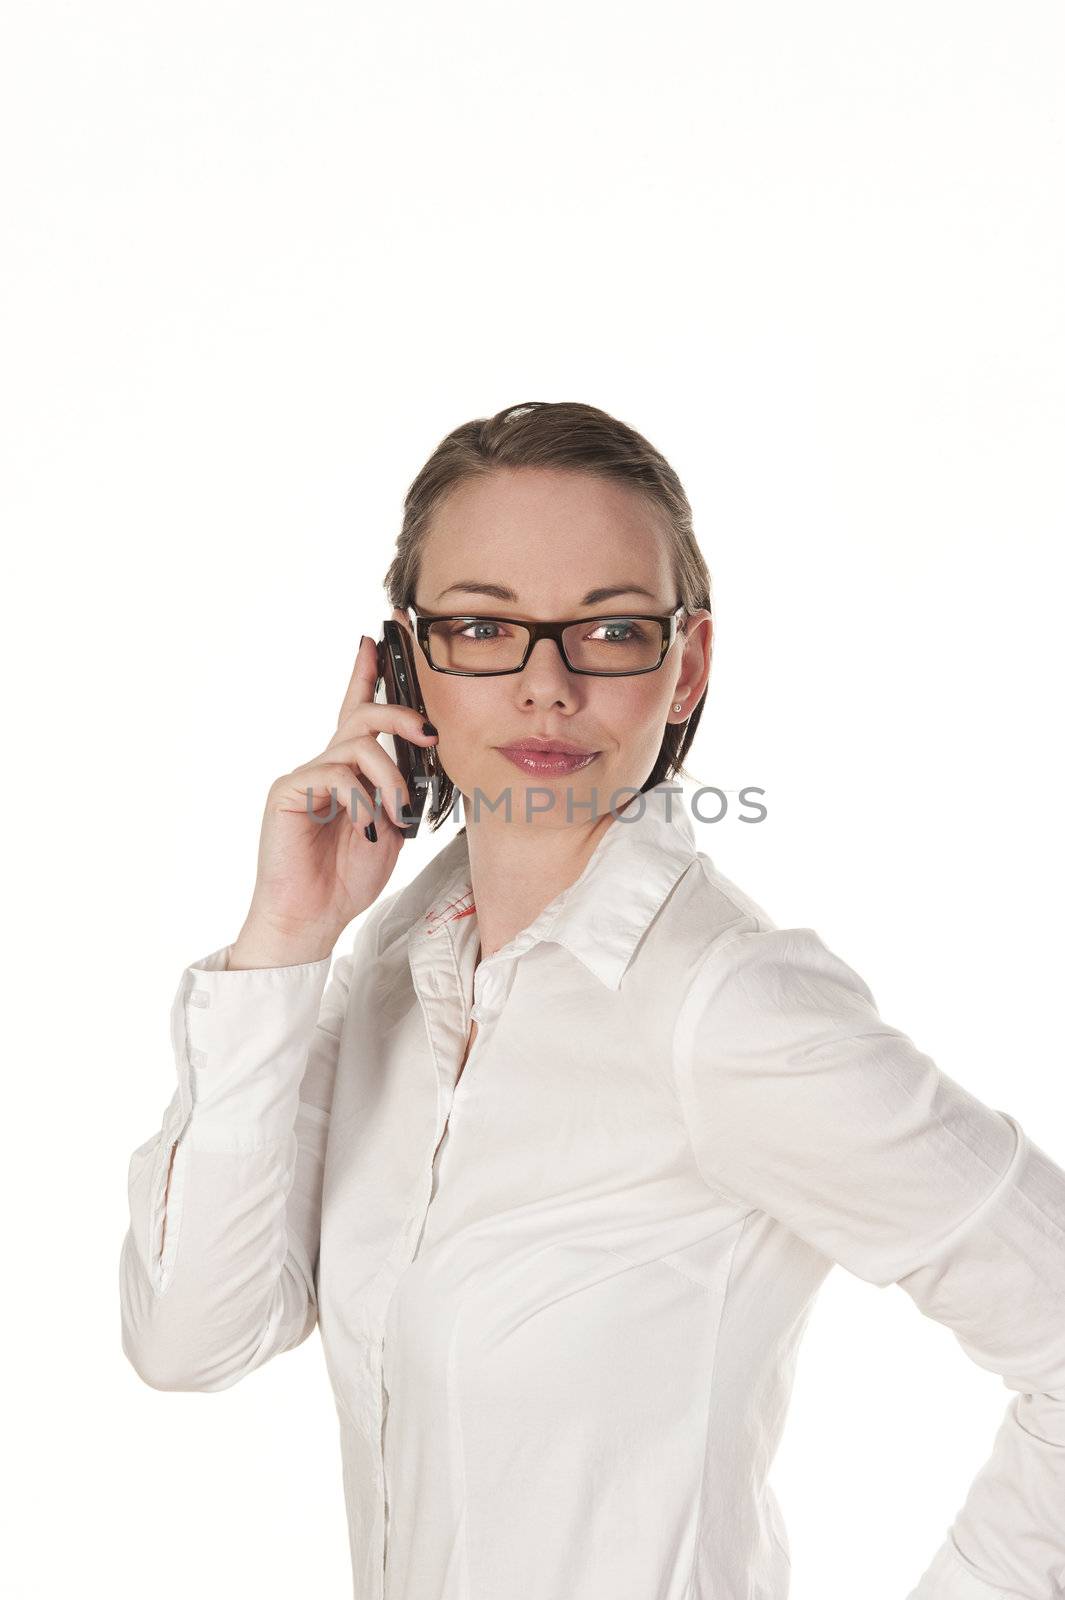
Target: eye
619, 630
479, 630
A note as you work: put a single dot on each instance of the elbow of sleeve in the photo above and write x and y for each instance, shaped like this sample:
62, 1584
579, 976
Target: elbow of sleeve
186, 1344
160, 1347
156, 1366
179, 1369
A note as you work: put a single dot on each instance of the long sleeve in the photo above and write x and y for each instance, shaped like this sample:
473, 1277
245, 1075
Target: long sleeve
218, 1267
803, 1103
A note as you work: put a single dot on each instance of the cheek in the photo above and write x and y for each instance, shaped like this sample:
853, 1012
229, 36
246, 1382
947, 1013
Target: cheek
439, 692
633, 708
463, 708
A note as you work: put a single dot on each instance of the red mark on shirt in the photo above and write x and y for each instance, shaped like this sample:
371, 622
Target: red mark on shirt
462, 907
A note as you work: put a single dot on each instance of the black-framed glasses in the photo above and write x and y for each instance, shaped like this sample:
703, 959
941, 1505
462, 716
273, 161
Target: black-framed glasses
598, 647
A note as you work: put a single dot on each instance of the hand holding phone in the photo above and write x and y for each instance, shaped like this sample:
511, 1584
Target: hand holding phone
320, 864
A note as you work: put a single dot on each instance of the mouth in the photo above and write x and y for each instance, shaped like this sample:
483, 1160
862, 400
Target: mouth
553, 747
548, 756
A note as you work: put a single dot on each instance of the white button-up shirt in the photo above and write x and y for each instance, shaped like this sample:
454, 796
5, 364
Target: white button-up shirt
560, 1293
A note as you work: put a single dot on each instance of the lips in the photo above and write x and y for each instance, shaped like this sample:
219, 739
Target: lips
545, 747
548, 757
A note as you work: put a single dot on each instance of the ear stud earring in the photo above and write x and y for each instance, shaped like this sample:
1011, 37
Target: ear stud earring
678, 705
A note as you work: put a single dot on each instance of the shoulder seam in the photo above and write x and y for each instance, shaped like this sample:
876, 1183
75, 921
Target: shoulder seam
712, 878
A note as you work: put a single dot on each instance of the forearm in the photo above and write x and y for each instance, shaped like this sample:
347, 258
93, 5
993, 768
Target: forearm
217, 1264
1002, 1290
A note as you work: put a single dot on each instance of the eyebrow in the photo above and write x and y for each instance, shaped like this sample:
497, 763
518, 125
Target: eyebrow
499, 591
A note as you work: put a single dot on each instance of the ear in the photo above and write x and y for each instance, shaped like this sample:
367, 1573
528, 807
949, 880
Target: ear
697, 658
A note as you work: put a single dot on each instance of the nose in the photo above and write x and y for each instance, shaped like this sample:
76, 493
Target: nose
545, 675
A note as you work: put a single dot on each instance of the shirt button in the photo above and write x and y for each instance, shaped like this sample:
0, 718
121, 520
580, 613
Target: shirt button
198, 1058
199, 997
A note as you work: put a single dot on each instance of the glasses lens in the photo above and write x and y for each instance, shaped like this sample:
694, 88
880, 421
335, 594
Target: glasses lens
464, 644
614, 644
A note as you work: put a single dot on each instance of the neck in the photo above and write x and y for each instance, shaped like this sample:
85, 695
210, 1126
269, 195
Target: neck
517, 868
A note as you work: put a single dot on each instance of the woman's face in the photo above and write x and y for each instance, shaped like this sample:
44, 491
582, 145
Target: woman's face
550, 538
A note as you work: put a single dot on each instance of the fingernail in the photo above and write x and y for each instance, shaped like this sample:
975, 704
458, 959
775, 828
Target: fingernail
427, 727
370, 831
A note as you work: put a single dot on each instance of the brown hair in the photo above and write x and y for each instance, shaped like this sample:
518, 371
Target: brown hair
575, 437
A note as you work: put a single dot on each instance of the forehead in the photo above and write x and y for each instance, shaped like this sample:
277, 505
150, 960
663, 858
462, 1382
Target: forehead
544, 531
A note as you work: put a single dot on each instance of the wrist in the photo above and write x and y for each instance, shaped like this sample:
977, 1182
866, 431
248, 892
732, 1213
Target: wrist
258, 945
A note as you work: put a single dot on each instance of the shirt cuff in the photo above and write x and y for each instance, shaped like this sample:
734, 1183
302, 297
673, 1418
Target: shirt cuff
241, 1042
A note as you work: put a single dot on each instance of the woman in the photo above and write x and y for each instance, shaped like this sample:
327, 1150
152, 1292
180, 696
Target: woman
561, 1159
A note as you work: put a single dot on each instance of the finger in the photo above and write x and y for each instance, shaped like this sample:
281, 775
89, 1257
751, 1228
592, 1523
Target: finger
382, 716
333, 786
363, 680
366, 757
380, 769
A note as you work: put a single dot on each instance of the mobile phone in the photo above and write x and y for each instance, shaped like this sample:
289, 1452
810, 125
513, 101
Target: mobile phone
397, 684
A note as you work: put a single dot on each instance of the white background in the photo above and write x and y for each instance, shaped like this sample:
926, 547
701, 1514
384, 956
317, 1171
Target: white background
258, 260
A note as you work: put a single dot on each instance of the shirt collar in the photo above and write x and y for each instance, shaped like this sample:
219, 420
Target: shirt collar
601, 916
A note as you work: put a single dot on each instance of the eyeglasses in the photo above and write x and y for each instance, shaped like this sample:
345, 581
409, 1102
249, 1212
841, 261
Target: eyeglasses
598, 647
